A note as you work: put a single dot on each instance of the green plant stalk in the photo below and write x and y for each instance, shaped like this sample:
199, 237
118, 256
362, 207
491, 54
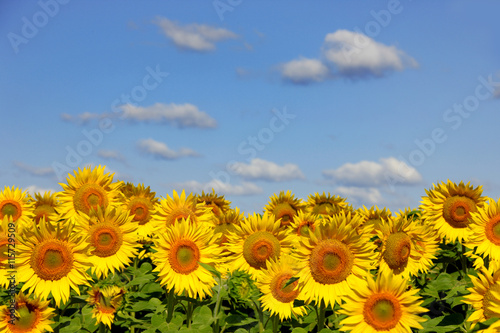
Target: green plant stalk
102, 328
321, 315
170, 305
216, 309
275, 324
189, 314
261, 316
134, 288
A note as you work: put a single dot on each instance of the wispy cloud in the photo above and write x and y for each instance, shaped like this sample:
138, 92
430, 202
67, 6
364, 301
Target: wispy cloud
260, 169
32, 189
162, 151
244, 188
181, 115
111, 155
304, 71
347, 54
373, 174
194, 37
178, 115
34, 171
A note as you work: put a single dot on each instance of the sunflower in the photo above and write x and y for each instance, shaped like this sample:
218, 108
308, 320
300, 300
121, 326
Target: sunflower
16, 204
227, 223
171, 210
277, 298
87, 190
382, 305
177, 255
333, 257
52, 260
256, 240
449, 206
45, 206
407, 247
326, 205
486, 230
304, 222
373, 218
32, 316
7, 255
284, 207
217, 203
112, 237
140, 202
484, 297
105, 302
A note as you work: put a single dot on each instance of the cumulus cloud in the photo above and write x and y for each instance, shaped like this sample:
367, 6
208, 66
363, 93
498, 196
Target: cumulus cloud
162, 151
355, 54
361, 196
111, 155
347, 54
245, 188
32, 189
260, 169
369, 173
181, 115
34, 171
304, 71
194, 37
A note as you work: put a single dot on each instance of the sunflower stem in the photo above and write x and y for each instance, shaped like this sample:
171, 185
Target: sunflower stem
275, 324
261, 316
321, 315
102, 328
170, 305
217, 307
189, 314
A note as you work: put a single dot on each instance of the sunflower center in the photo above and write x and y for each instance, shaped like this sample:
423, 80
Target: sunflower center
457, 209
10, 208
28, 318
184, 256
397, 250
382, 311
106, 239
90, 196
280, 292
324, 208
285, 212
492, 229
259, 247
330, 262
303, 229
52, 259
43, 211
140, 208
488, 299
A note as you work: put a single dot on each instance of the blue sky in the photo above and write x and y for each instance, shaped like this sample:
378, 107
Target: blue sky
371, 100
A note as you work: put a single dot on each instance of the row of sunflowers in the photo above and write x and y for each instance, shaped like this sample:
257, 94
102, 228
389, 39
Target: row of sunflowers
104, 255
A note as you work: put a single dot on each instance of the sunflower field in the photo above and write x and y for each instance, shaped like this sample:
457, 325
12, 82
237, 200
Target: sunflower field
102, 255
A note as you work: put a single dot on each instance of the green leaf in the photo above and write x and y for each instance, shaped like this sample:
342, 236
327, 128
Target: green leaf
299, 330
157, 320
141, 280
202, 316
241, 330
211, 269
290, 281
146, 268
74, 326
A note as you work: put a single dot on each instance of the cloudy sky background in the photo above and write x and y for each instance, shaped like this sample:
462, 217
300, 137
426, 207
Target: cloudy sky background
373, 101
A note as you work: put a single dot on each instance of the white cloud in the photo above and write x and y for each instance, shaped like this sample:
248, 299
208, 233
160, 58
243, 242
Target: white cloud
32, 189
304, 71
195, 37
265, 170
245, 188
387, 171
162, 151
355, 54
42, 172
111, 155
84, 117
181, 115
361, 196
